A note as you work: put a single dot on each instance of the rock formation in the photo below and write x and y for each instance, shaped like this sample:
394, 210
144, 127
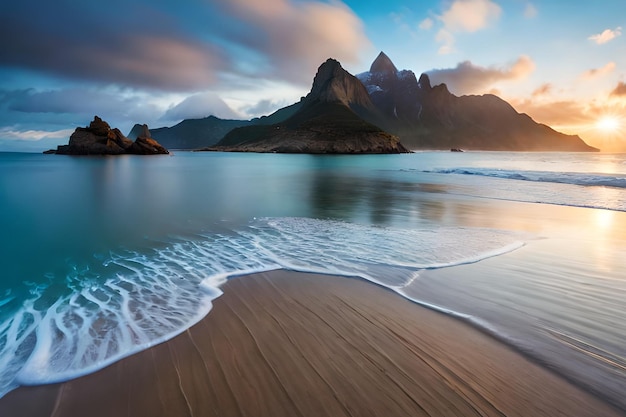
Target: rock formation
328, 120
99, 139
430, 117
423, 116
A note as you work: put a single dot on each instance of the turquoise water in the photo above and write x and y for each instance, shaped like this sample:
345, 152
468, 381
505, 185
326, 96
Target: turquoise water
103, 257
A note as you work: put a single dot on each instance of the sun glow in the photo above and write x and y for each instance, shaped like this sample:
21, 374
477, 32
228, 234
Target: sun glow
608, 124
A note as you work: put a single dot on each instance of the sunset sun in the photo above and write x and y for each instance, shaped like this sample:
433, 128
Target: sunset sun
608, 124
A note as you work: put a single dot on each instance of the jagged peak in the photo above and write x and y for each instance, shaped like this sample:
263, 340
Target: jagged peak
441, 89
424, 82
383, 63
332, 83
328, 70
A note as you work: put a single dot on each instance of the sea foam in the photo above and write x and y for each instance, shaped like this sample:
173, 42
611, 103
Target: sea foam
130, 301
572, 178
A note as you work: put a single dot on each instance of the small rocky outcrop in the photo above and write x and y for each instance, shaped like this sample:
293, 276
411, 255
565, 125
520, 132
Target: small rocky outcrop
99, 139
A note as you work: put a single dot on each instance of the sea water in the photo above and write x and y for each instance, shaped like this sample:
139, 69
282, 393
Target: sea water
103, 257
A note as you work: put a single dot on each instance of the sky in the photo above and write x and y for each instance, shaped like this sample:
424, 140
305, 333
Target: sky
161, 61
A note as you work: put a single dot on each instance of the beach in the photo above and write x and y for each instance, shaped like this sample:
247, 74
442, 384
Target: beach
284, 343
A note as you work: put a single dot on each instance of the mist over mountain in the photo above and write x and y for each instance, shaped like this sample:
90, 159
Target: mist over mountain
423, 116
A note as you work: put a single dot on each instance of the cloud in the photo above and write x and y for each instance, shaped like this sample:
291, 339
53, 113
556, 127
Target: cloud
470, 15
178, 47
578, 117
72, 100
426, 24
447, 40
542, 90
530, 11
468, 78
290, 39
619, 90
33, 135
606, 35
79, 104
117, 45
598, 72
199, 106
465, 16
264, 107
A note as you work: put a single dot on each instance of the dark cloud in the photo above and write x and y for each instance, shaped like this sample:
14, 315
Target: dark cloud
72, 100
62, 109
468, 78
619, 90
92, 46
176, 46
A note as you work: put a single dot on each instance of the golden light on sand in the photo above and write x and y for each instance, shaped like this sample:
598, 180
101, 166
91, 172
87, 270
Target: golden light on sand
609, 124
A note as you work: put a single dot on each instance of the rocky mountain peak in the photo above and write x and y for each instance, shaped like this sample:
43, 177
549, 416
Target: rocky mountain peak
99, 127
383, 64
424, 82
326, 73
334, 84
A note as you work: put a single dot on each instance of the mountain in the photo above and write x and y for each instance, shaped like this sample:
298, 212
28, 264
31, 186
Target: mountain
99, 139
427, 117
421, 115
200, 133
330, 119
192, 133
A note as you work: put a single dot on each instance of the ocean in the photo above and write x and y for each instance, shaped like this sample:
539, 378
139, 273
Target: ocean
106, 256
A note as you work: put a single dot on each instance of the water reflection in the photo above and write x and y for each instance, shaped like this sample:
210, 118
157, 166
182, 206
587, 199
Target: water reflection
378, 201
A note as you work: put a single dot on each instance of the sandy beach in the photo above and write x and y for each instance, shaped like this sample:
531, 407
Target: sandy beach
293, 344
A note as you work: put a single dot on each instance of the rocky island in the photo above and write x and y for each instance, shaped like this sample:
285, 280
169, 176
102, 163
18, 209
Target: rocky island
330, 119
99, 139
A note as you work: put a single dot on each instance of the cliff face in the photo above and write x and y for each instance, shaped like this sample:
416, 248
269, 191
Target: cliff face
99, 139
426, 116
327, 120
333, 84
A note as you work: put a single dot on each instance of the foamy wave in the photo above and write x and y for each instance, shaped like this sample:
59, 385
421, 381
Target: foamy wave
129, 301
572, 178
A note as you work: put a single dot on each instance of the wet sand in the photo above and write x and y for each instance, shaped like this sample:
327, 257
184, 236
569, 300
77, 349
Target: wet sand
292, 344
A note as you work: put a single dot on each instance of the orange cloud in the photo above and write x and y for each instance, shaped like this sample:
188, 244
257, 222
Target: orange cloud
468, 78
543, 90
606, 35
579, 118
598, 72
465, 16
470, 15
619, 90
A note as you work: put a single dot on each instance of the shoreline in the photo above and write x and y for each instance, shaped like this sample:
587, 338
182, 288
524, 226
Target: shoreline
289, 343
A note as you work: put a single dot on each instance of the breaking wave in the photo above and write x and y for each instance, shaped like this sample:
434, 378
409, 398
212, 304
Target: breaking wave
127, 301
572, 178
